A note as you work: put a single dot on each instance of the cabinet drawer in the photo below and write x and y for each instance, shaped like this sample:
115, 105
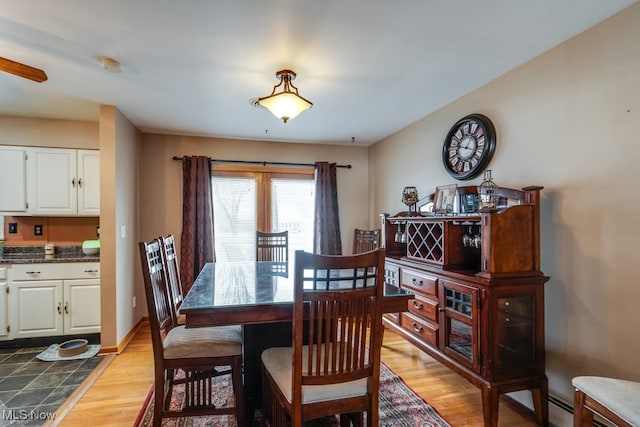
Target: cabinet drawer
425, 330
424, 307
76, 270
419, 282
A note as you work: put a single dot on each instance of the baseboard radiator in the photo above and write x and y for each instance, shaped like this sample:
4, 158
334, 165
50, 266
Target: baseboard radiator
567, 407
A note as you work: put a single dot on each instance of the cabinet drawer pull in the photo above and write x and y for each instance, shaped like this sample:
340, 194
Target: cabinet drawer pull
416, 283
416, 305
417, 328
33, 272
91, 271
59, 308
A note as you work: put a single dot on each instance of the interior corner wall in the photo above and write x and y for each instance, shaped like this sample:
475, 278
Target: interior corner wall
119, 141
108, 309
566, 120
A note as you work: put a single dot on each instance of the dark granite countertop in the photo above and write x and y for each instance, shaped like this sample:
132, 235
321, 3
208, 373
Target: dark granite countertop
35, 254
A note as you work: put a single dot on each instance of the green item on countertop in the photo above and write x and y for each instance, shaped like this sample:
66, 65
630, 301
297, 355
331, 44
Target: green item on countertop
91, 247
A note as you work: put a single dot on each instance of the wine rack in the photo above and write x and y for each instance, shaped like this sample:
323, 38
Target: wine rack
439, 243
425, 241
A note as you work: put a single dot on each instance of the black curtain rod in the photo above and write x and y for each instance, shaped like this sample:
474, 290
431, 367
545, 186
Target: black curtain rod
310, 165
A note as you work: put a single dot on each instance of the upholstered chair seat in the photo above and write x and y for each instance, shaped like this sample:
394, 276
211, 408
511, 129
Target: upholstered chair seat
616, 399
181, 342
277, 360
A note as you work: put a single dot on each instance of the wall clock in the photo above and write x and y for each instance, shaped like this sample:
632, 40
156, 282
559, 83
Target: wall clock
469, 146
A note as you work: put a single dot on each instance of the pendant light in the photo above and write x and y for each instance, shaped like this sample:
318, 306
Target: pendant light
287, 103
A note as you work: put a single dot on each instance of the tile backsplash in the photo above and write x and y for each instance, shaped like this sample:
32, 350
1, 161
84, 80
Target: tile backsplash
58, 230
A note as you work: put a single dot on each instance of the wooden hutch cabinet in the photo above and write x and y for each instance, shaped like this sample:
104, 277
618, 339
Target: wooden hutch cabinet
479, 293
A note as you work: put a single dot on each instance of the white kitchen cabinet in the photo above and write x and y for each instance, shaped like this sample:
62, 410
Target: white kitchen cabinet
88, 182
37, 308
4, 307
81, 306
63, 181
13, 179
55, 299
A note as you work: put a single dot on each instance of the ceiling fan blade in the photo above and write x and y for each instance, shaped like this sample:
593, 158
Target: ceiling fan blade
22, 70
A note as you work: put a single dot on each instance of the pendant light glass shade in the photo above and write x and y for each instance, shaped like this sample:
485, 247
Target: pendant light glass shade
287, 103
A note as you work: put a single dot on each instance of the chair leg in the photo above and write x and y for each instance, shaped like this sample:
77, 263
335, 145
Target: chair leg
158, 402
355, 419
582, 416
238, 389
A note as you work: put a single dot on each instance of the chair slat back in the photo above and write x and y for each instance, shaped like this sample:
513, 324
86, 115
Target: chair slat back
339, 299
173, 271
272, 246
365, 240
161, 320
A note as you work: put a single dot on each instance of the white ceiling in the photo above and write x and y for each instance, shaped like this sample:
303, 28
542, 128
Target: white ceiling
371, 67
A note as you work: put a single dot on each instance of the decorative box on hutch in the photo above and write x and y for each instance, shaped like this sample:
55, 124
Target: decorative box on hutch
479, 292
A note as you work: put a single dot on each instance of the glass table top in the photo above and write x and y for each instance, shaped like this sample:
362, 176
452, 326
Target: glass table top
247, 284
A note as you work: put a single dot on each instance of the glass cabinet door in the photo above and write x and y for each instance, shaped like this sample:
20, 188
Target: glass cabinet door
515, 333
392, 278
459, 323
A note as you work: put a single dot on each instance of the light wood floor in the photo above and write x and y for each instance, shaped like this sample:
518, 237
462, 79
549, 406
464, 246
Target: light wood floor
118, 394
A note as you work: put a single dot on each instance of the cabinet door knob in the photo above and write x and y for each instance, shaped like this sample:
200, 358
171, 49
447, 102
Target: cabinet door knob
59, 308
66, 307
73, 183
79, 182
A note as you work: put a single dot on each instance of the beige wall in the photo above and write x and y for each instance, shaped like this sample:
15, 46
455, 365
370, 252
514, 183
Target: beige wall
48, 133
119, 259
161, 177
568, 121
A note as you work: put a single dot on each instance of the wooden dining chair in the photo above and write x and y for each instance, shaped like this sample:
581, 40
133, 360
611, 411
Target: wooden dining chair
333, 366
172, 270
199, 353
272, 246
365, 240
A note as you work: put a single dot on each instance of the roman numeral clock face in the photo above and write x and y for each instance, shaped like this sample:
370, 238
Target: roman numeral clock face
469, 146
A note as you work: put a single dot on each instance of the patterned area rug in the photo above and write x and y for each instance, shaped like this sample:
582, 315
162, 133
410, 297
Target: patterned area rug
399, 407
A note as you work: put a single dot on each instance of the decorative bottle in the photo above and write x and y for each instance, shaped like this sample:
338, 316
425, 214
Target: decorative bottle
487, 191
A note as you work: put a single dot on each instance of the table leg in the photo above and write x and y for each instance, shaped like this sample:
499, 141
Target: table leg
258, 337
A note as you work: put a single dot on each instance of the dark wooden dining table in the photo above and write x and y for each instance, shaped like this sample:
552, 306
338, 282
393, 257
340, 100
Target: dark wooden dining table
258, 296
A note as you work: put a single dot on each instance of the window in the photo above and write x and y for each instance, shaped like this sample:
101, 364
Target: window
267, 199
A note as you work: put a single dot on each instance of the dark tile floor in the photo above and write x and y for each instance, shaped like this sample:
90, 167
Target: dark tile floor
31, 390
